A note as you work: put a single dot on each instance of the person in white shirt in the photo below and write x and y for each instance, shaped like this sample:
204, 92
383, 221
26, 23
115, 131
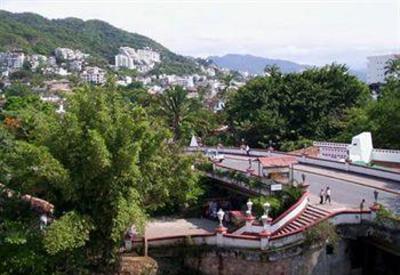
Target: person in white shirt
321, 197
328, 195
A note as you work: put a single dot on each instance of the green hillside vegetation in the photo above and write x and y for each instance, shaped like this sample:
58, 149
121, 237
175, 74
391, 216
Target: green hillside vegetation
36, 34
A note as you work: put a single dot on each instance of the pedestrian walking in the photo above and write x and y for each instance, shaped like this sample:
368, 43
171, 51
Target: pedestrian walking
328, 195
248, 150
362, 205
376, 193
321, 196
250, 163
361, 209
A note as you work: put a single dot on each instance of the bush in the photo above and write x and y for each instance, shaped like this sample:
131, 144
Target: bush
290, 195
276, 206
205, 166
321, 233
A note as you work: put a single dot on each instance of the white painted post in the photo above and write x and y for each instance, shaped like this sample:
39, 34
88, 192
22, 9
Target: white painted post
221, 230
264, 237
249, 217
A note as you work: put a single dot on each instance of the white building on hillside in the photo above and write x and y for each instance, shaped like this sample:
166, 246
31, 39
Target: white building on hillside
142, 59
376, 67
94, 75
66, 54
12, 61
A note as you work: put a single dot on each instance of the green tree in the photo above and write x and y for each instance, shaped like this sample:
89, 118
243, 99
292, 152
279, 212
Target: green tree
105, 164
296, 106
184, 116
393, 67
379, 117
18, 89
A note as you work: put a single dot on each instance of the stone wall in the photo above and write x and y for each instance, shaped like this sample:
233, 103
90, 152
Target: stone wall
291, 261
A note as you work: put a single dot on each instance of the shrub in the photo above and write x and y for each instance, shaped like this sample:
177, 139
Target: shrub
205, 166
321, 233
276, 206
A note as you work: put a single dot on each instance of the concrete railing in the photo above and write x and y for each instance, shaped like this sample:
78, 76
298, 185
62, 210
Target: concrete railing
386, 155
295, 210
331, 164
263, 242
348, 167
329, 144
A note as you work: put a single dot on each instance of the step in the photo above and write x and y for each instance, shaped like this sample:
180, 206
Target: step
305, 219
317, 214
297, 224
301, 222
292, 227
318, 210
311, 216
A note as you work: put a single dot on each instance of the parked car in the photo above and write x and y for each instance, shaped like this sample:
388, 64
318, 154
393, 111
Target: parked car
213, 155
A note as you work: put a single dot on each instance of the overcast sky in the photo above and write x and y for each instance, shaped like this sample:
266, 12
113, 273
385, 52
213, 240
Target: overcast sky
311, 32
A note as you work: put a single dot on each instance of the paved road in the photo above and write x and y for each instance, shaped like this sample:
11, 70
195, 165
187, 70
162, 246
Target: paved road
345, 191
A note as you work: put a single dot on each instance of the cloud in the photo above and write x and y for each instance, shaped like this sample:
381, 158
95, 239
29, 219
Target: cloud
307, 31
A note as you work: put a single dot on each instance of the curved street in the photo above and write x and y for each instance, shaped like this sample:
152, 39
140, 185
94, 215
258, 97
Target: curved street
348, 189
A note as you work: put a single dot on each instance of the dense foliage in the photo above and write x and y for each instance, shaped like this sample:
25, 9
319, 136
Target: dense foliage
293, 107
36, 34
279, 202
105, 164
185, 116
380, 117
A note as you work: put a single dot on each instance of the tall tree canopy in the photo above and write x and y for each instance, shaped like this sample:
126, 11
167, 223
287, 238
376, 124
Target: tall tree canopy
380, 117
291, 107
183, 115
104, 164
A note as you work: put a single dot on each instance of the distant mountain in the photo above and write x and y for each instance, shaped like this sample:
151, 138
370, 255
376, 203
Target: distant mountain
36, 34
254, 64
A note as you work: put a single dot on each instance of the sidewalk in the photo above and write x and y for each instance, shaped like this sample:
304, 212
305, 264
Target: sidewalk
168, 227
385, 186
332, 207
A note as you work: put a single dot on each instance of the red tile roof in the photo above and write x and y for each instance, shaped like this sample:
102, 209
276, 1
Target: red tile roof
283, 161
312, 151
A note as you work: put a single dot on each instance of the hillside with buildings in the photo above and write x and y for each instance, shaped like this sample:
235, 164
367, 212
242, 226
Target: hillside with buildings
33, 33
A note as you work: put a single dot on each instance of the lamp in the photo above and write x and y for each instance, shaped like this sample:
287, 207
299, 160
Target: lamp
220, 215
249, 206
266, 207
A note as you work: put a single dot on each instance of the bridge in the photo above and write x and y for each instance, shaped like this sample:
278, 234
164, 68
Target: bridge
350, 183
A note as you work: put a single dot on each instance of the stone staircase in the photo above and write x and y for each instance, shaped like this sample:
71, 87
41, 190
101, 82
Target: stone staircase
309, 216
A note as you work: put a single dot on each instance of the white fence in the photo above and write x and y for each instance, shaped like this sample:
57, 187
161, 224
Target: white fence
386, 155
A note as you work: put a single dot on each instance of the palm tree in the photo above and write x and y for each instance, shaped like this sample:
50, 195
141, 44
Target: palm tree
176, 107
272, 70
393, 67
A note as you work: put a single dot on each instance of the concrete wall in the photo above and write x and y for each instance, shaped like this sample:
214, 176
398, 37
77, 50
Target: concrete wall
361, 147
